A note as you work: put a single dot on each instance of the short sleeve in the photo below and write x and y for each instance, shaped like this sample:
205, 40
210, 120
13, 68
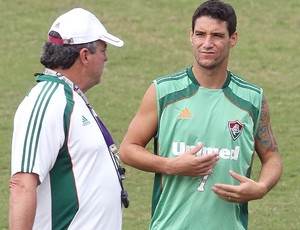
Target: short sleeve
38, 129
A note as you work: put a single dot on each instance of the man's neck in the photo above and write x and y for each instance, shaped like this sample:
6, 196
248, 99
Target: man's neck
73, 76
210, 78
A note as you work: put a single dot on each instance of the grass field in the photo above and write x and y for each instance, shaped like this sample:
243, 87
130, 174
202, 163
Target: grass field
156, 43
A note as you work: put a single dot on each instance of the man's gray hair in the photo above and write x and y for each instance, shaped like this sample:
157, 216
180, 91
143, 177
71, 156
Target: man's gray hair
63, 55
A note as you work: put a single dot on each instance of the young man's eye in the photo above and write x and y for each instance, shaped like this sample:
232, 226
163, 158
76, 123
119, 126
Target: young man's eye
219, 35
200, 34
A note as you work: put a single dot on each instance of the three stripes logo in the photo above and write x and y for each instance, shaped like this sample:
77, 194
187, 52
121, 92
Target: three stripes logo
185, 114
85, 121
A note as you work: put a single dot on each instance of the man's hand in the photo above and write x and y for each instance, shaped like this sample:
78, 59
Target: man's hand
247, 189
188, 164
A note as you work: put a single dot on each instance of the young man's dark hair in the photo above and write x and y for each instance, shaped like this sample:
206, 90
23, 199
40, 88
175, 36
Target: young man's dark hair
218, 10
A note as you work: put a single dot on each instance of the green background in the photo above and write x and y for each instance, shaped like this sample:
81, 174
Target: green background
156, 35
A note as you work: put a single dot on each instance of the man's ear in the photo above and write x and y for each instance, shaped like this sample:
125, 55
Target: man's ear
233, 39
83, 56
191, 37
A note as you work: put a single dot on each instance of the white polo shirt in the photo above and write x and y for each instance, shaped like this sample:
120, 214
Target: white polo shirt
56, 137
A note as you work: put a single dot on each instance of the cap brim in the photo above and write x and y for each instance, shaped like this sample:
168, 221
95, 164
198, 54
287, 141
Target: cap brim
111, 39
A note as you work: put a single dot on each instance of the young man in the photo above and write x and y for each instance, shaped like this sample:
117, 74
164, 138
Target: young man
63, 174
207, 123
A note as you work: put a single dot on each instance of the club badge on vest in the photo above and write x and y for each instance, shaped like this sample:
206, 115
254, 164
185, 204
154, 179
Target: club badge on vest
235, 129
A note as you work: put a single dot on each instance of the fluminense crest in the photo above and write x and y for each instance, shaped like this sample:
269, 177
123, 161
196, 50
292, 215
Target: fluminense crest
235, 129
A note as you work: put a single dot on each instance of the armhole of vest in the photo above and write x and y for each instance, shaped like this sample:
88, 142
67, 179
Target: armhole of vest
158, 108
259, 113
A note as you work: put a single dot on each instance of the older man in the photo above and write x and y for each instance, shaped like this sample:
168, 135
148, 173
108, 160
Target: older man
64, 174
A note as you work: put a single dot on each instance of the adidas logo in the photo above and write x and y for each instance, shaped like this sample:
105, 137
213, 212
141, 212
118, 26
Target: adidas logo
85, 121
185, 114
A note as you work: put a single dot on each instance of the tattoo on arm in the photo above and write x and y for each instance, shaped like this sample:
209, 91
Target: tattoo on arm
264, 135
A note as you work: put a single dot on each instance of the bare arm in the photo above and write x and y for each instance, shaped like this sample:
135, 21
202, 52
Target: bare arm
271, 170
22, 200
142, 129
267, 150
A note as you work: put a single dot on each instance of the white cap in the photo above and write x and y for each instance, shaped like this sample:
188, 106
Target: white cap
80, 26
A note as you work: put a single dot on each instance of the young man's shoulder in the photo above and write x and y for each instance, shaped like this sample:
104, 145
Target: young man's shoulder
183, 73
243, 84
